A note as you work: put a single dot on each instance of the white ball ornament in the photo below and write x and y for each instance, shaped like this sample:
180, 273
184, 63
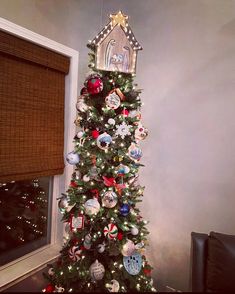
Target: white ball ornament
101, 248
128, 248
97, 271
103, 141
113, 286
86, 178
134, 231
51, 271
80, 134
72, 158
109, 199
111, 121
92, 206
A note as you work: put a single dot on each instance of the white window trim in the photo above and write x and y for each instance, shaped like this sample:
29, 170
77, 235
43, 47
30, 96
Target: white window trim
19, 269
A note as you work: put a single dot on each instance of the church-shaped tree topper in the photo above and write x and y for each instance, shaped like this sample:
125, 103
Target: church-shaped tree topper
116, 46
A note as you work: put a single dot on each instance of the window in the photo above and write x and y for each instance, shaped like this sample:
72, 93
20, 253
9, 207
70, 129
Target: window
25, 214
21, 267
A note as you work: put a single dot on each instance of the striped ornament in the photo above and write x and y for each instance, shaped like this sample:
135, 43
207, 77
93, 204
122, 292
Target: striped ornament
111, 231
75, 253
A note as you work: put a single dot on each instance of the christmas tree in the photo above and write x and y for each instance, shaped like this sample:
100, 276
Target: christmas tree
105, 247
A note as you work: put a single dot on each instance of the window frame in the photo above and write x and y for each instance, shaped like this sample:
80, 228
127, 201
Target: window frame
19, 269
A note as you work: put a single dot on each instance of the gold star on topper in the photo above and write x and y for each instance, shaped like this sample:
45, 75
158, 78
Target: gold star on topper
119, 19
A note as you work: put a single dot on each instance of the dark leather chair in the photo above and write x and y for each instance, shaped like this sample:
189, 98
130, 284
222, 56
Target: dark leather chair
212, 262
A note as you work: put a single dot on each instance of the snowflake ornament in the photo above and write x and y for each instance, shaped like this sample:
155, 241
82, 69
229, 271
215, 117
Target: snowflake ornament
123, 130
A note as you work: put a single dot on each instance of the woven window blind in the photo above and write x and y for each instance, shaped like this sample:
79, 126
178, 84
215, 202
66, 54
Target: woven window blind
32, 90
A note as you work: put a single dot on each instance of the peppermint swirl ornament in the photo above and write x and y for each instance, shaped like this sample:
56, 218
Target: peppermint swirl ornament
75, 253
111, 231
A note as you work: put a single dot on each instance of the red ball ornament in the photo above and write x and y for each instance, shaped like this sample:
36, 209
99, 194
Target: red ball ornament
73, 184
94, 85
147, 271
125, 112
83, 91
95, 134
49, 288
120, 236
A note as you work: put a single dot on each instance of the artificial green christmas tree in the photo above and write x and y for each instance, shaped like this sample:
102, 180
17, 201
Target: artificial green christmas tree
104, 249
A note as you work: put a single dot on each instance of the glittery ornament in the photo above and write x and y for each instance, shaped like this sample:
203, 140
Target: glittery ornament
111, 231
123, 130
95, 134
75, 253
92, 206
94, 84
72, 158
113, 286
97, 271
124, 209
109, 199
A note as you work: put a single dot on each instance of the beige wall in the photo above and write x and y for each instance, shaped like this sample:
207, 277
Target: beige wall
187, 71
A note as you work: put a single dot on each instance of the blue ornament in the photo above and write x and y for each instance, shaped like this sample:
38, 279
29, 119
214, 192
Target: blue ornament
134, 152
124, 209
73, 158
133, 263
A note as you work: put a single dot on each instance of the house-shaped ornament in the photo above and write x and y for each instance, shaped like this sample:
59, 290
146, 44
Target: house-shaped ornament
116, 46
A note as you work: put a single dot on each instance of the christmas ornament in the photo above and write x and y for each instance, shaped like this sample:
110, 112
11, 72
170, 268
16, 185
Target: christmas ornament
49, 288
111, 182
111, 231
128, 248
109, 199
80, 134
72, 158
94, 84
141, 133
83, 91
92, 206
86, 178
103, 141
147, 269
134, 152
93, 172
113, 100
95, 134
51, 271
118, 159
73, 184
123, 169
134, 231
63, 204
77, 175
59, 289
120, 236
101, 248
113, 286
76, 223
111, 121
97, 271
81, 105
124, 209
133, 263
135, 114
123, 130
75, 253
87, 241
125, 112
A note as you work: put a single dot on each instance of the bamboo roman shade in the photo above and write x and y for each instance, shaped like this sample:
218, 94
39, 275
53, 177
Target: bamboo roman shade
32, 90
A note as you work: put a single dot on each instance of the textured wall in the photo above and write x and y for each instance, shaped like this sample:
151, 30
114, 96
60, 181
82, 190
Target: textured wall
187, 72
